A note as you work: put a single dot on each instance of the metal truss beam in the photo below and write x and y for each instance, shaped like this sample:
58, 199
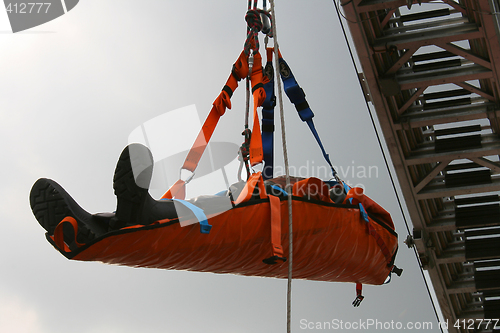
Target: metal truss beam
432, 74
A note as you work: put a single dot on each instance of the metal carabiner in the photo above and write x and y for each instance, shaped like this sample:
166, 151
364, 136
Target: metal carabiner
188, 179
250, 64
266, 23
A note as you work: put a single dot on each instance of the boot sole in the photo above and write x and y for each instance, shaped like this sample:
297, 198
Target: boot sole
50, 204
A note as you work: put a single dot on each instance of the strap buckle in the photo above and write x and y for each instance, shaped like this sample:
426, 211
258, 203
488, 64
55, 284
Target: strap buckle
273, 260
359, 296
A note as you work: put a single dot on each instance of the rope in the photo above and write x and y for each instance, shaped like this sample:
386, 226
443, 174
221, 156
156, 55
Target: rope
250, 34
386, 162
254, 24
254, 17
287, 175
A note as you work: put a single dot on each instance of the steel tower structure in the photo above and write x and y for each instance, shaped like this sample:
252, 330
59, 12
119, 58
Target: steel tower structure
431, 70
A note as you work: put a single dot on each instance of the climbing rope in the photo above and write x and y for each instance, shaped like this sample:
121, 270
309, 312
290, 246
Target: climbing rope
287, 174
385, 158
257, 20
254, 26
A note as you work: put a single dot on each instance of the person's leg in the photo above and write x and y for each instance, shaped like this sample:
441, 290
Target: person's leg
50, 203
131, 183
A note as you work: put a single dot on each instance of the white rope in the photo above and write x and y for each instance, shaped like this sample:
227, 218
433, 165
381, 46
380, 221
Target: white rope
287, 175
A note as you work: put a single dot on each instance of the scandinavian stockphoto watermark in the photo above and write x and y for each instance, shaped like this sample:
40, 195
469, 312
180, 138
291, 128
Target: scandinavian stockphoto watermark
375, 324
323, 171
363, 324
171, 135
24, 15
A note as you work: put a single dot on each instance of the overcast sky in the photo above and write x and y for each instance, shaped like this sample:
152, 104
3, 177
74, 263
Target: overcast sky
74, 89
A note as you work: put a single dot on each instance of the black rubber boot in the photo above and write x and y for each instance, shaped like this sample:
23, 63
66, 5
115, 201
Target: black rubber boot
50, 204
131, 183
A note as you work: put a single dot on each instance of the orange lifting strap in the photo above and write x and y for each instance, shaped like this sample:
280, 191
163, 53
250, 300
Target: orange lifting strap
259, 95
240, 70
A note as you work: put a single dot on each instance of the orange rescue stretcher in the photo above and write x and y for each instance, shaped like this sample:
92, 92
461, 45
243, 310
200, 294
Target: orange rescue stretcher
350, 241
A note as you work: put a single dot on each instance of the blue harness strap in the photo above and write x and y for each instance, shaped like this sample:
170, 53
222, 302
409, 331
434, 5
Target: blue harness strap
198, 213
277, 188
268, 122
363, 213
298, 98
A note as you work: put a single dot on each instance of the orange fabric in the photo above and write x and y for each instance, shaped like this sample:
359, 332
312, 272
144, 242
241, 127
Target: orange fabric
178, 190
255, 180
371, 207
222, 102
259, 95
279, 54
358, 196
274, 203
313, 188
256, 150
240, 67
58, 237
269, 53
380, 243
330, 244
202, 140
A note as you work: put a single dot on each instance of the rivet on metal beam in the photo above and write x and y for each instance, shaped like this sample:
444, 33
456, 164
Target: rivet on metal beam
364, 87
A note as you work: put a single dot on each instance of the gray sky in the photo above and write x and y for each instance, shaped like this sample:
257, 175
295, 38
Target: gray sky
72, 91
